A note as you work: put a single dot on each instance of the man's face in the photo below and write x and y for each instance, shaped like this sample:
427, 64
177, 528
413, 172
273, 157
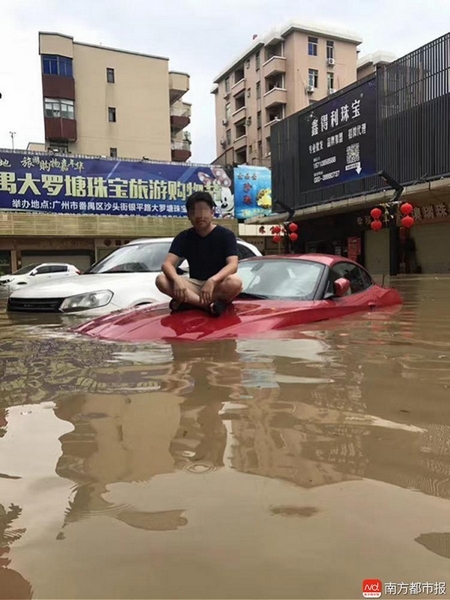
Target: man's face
201, 215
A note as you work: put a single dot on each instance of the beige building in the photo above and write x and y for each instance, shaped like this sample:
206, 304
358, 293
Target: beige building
371, 62
107, 102
278, 75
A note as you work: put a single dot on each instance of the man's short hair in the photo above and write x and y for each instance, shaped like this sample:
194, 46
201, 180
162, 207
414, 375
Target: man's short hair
199, 197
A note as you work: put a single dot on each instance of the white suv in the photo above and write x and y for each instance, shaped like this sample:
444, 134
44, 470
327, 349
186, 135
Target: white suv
124, 278
37, 273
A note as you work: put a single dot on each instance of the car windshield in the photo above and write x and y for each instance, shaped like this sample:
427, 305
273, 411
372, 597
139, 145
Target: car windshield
135, 258
285, 279
25, 270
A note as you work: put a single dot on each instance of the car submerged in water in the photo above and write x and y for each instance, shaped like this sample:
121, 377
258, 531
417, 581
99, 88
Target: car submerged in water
280, 294
125, 278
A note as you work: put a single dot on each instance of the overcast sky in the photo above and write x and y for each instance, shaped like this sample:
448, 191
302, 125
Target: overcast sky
199, 36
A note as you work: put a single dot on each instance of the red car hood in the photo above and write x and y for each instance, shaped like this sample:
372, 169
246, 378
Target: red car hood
242, 319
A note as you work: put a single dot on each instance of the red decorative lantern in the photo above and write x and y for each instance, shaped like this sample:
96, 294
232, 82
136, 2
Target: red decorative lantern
293, 227
406, 208
277, 238
407, 221
293, 236
375, 213
276, 229
376, 225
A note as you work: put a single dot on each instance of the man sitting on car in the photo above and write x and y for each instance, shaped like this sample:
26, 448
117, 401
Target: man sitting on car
211, 252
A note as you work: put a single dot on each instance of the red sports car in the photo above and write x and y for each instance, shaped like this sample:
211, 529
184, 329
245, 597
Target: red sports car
280, 293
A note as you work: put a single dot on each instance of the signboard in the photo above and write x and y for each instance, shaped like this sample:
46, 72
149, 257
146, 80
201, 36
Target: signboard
337, 141
31, 182
252, 191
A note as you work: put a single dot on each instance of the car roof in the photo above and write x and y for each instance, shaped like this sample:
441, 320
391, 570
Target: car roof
169, 239
324, 259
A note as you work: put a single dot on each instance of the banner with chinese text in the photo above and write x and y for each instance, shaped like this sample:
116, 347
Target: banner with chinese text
252, 191
338, 139
32, 182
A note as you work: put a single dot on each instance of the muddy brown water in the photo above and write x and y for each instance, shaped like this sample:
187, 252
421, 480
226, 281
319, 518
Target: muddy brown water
291, 468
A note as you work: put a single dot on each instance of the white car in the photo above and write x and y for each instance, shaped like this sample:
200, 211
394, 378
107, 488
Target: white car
123, 279
35, 274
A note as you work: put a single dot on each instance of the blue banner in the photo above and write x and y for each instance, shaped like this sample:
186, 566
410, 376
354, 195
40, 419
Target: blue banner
36, 182
252, 191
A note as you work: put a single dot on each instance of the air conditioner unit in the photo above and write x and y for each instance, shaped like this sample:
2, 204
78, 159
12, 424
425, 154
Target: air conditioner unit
223, 143
248, 121
331, 90
309, 89
224, 121
330, 61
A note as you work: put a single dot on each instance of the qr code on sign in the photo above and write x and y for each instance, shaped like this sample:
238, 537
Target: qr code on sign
352, 154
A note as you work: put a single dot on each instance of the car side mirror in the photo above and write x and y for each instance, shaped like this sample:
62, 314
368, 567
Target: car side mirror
341, 287
33, 273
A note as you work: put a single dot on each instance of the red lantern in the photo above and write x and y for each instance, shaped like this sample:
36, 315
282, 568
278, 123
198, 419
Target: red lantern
293, 236
406, 208
375, 213
293, 227
277, 238
376, 225
407, 221
276, 229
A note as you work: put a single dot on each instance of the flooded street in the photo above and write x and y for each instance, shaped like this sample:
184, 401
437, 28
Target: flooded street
291, 468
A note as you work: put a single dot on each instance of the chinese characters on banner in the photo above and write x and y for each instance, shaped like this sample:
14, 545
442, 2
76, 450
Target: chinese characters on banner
337, 140
41, 183
252, 191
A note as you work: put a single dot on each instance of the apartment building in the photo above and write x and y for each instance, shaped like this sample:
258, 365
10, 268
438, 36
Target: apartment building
278, 75
371, 62
108, 102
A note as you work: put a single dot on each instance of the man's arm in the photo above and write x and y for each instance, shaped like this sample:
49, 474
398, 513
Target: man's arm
230, 268
169, 266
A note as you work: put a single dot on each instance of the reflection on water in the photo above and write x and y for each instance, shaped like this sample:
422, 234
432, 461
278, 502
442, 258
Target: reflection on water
229, 469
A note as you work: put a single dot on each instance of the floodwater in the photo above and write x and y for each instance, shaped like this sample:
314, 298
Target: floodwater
291, 468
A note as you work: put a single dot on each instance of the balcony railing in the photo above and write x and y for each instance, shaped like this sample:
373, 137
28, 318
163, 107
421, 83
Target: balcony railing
180, 111
181, 145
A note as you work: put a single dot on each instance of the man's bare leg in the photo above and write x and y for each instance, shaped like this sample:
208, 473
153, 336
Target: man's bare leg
166, 286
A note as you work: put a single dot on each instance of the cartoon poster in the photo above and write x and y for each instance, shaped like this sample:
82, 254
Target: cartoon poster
252, 191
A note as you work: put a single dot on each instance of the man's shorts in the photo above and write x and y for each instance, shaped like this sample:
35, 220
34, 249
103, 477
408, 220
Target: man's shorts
195, 285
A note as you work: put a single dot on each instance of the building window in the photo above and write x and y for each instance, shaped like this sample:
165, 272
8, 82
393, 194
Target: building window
228, 136
330, 81
110, 78
54, 108
250, 149
330, 49
53, 64
249, 92
312, 46
248, 64
258, 120
313, 77
258, 89
227, 111
259, 148
111, 114
113, 152
227, 85
257, 60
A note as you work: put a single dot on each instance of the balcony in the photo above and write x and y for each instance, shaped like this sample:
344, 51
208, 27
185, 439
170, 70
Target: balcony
180, 116
57, 86
238, 115
178, 85
274, 66
181, 151
240, 143
238, 88
60, 129
275, 96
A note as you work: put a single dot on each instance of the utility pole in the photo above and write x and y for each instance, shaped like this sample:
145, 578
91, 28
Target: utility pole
12, 134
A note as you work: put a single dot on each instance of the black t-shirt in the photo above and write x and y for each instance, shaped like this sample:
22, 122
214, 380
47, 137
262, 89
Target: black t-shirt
206, 255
